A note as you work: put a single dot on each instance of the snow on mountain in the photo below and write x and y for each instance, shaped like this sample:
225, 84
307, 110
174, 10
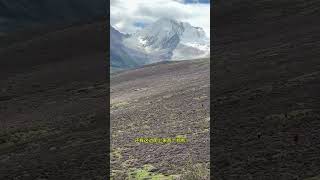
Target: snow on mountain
122, 57
168, 39
193, 35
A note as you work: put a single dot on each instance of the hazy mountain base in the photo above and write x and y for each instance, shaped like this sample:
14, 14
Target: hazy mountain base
162, 100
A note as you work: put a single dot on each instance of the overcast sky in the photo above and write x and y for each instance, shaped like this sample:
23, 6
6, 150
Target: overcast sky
128, 16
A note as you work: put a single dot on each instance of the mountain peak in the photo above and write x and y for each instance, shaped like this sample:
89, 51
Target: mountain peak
166, 24
167, 39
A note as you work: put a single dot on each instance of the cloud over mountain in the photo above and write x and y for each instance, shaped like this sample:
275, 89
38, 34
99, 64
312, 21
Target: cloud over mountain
126, 14
164, 40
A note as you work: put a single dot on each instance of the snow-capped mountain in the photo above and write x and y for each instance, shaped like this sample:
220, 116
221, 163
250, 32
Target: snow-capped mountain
122, 57
167, 39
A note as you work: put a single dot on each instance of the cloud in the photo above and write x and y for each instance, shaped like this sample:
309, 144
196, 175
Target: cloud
196, 1
125, 15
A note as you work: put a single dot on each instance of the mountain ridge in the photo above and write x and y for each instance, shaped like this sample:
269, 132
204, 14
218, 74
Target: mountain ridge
164, 40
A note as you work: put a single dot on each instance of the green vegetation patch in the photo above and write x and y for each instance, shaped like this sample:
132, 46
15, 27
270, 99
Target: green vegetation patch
200, 97
190, 171
146, 173
119, 105
196, 171
116, 153
16, 137
313, 178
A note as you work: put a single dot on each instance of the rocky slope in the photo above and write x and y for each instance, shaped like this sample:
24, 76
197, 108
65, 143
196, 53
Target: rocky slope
162, 100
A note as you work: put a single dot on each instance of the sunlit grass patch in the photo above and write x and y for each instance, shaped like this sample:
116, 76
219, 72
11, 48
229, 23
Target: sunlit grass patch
200, 97
196, 171
313, 178
116, 153
146, 173
16, 137
119, 105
